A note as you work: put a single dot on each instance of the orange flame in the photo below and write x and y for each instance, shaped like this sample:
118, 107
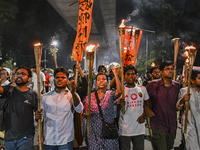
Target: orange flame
190, 47
186, 53
37, 44
122, 25
90, 48
187, 60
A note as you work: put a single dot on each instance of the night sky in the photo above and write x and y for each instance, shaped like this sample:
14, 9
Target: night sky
36, 20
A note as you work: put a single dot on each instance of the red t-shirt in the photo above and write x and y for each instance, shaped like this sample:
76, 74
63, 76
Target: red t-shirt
47, 77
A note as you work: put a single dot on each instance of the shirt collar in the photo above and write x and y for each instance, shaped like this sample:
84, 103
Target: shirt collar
161, 82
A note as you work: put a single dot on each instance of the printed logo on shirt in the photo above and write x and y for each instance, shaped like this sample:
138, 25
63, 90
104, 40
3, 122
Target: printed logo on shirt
27, 102
133, 96
140, 94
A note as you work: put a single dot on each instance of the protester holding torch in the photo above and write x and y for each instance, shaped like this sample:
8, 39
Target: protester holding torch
102, 113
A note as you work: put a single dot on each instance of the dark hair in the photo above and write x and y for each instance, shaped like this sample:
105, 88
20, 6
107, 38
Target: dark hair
194, 74
152, 69
101, 66
6, 71
71, 78
101, 73
130, 67
29, 70
61, 69
34, 67
164, 64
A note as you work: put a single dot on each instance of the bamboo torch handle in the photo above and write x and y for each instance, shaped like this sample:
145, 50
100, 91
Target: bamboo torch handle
120, 30
76, 76
38, 54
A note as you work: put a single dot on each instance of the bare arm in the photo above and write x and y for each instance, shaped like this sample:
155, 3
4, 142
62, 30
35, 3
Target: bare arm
180, 103
118, 85
1, 90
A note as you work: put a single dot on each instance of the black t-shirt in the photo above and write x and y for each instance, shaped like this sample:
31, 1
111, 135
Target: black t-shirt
19, 120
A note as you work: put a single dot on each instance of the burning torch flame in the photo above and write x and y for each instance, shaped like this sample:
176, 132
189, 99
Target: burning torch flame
189, 47
90, 48
187, 60
122, 25
37, 44
186, 53
153, 65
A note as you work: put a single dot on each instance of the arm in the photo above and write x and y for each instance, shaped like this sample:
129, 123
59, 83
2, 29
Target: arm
118, 85
80, 70
1, 90
112, 83
181, 102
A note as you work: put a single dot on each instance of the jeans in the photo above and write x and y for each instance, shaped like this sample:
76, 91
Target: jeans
25, 143
137, 141
68, 146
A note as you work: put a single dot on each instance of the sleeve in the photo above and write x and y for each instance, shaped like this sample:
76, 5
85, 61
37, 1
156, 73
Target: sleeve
43, 77
146, 95
78, 108
36, 101
5, 90
181, 94
114, 97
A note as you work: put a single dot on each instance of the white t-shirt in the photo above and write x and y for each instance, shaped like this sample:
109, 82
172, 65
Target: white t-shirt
128, 124
34, 80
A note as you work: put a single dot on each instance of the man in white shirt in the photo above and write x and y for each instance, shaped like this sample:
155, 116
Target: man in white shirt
192, 135
131, 124
58, 106
34, 81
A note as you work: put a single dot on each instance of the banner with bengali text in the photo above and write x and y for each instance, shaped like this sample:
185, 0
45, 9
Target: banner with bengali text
83, 28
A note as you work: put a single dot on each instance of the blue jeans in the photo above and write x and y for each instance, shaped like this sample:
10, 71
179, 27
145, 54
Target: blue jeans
68, 146
24, 143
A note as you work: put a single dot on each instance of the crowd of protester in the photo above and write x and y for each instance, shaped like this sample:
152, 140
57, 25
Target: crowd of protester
65, 108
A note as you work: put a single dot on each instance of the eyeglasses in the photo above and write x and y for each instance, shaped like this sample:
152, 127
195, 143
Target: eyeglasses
167, 69
156, 72
21, 74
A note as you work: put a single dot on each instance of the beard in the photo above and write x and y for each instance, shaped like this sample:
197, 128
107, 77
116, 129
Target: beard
20, 83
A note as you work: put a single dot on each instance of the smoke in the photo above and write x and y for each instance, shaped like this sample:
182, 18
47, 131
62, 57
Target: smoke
134, 13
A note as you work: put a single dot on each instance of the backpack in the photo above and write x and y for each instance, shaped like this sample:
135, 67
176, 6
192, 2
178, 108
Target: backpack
4, 107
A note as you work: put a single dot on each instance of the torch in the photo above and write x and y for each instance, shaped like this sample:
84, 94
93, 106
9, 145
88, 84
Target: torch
121, 32
192, 55
176, 48
38, 54
90, 61
186, 67
54, 50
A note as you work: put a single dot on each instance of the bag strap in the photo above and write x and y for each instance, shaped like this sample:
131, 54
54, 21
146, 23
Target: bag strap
98, 103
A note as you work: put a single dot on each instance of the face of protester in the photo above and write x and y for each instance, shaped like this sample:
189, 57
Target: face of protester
102, 81
156, 74
102, 69
60, 80
130, 77
196, 82
4, 75
21, 77
168, 72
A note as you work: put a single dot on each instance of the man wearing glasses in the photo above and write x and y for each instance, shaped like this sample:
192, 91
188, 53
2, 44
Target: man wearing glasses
22, 102
155, 73
163, 95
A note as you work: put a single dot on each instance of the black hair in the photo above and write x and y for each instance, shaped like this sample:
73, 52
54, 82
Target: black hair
164, 64
152, 69
130, 67
101, 66
6, 71
71, 78
61, 69
194, 74
29, 70
101, 73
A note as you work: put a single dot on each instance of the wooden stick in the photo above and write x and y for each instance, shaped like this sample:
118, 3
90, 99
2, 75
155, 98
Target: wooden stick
55, 59
176, 49
76, 76
38, 54
120, 32
192, 56
90, 58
